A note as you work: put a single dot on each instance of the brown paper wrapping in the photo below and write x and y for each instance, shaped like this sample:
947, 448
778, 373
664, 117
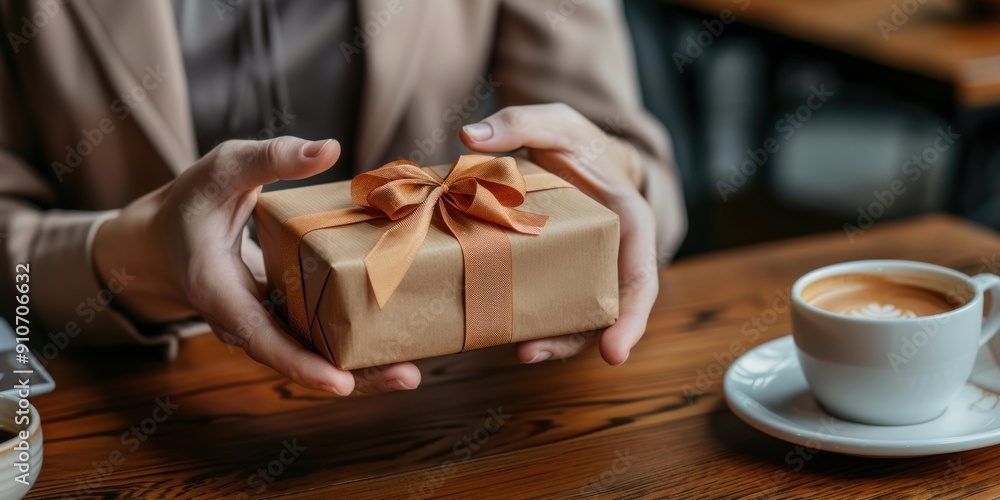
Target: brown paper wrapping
565, 279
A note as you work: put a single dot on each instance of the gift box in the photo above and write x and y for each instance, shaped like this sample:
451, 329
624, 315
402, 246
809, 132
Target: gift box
407, 262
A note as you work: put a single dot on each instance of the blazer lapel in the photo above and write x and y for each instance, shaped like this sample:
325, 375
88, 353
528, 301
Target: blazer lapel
137, 47
392, 61
130, 35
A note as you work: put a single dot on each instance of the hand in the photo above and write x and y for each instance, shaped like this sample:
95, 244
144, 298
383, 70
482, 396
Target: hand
185, 244
607, 169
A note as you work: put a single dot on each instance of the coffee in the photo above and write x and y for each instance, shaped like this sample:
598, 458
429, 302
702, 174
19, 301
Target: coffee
876, 297
890, 370
6, 435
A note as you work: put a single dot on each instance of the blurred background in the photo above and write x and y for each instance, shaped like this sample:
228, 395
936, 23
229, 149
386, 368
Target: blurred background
795, 117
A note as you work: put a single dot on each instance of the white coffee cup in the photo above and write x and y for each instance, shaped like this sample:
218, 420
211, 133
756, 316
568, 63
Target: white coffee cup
896, 371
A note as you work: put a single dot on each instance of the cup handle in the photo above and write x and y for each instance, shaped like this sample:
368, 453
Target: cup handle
989, 283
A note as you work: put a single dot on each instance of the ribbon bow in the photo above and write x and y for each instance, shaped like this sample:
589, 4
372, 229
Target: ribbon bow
475, 202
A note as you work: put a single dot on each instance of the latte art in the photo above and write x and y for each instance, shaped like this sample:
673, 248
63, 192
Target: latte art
874, 310
874, 296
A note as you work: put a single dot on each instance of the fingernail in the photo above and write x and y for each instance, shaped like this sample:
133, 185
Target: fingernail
314, 148
331, 388
541, 356
479, 132
398, 385
624, 360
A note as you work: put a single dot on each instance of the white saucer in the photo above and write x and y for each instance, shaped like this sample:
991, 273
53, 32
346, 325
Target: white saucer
765, 387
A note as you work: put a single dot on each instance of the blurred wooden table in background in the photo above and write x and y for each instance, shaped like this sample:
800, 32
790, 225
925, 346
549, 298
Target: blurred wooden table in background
483, 425
930, 37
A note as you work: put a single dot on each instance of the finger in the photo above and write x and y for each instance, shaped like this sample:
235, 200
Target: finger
394, 377
562, 347
224, 291
251, 164
638, 284
542, 126
562, 141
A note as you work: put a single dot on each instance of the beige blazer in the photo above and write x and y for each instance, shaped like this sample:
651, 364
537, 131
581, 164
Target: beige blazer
94, 113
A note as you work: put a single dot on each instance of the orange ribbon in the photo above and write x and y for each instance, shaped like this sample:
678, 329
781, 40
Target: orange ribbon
476, 202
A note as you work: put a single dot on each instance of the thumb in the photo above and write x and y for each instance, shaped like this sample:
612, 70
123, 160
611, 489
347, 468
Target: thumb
251, 164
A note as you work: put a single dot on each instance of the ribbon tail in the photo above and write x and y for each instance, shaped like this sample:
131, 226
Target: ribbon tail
391, 257
525, 222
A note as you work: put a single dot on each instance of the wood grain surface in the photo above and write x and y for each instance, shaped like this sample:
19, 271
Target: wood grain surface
641, 430
930, 37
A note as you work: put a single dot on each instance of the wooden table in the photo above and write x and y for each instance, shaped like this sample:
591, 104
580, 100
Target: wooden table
934, 41
572, 428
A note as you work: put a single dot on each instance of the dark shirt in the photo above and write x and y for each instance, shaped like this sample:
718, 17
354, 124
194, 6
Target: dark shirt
265, 68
